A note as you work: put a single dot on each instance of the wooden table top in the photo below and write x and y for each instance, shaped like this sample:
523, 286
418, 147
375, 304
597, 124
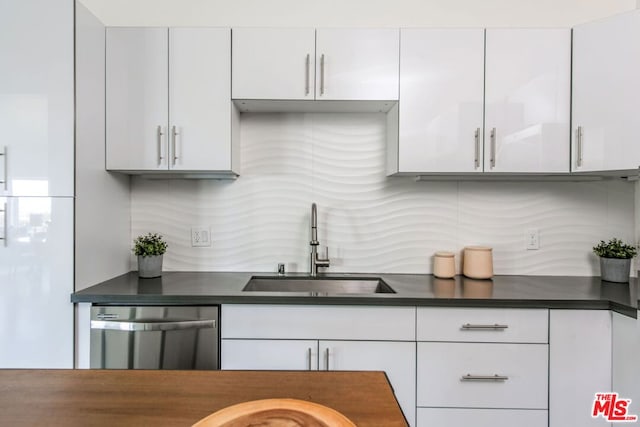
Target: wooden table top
180, 398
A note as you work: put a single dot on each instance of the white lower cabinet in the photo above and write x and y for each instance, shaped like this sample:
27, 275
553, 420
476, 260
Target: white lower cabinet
397, 359
482, 375
353, 338
482, 367
580, 365
450, 366
273, 355
445, 417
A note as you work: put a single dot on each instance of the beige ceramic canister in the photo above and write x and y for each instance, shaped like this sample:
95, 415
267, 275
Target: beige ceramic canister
444, 266
477, 262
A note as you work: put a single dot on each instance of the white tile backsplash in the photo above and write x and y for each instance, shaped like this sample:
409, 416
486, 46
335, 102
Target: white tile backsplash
371, 223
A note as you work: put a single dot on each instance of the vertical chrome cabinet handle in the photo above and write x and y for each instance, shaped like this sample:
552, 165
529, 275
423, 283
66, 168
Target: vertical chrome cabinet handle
322, 74
579, 146
326, 358
477, 148
5, 237
159, 135
492, 159
307, 65
5, 180
309, 359
174, 132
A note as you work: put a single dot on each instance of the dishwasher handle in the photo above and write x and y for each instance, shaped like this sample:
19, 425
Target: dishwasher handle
142, 326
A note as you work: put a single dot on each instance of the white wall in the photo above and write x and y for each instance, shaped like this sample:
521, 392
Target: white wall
102, 206
356, 13
371, 223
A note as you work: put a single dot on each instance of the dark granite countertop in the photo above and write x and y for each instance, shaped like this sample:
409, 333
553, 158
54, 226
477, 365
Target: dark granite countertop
209, 288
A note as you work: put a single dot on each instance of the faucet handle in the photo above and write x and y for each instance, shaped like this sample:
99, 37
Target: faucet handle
324, 262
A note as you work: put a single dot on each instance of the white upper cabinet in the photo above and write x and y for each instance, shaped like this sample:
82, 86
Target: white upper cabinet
137, 93
36, 99
441, 100
606, 94
168, 94
527, 100
357, 64
323, 64
273, 63
200, 99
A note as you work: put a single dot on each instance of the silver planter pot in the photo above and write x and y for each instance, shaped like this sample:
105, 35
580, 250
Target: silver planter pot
615, 269
149, 266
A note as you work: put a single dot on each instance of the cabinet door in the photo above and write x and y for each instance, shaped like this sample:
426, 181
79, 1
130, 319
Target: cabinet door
273, 63
357, 64
36, 98
397, 359
200, 99
269, 354
137, 96
442, 100
579, 365
527, 100
36, 279
606, 94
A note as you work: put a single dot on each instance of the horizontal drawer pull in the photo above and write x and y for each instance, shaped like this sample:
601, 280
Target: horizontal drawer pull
495, 377
494, 327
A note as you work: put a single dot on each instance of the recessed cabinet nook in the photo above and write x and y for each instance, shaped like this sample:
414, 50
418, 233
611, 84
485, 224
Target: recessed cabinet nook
458, 101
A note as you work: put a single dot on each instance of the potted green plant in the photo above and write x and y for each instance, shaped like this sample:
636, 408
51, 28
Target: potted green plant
615, 260
149, 249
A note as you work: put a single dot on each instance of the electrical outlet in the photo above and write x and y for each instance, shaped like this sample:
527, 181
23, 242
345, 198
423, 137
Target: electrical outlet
532, 239
200, 237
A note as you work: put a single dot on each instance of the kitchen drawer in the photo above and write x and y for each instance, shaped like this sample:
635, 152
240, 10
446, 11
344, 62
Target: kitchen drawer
441, 367
318, 322
483, 325
429, 417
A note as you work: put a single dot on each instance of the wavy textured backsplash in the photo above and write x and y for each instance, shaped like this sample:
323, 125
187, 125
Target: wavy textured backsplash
371, 223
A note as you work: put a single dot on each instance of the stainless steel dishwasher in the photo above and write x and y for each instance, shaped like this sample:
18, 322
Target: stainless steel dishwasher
171, 337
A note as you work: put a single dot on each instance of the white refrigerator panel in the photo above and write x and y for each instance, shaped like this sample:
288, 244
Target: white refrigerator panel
36, 280
36, 98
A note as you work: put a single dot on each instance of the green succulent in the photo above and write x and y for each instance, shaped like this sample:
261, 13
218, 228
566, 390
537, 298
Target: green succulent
149, 245
615, 248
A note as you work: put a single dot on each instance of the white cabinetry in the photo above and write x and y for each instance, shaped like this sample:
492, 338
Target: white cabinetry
168, 100
579, 365
36, 99
273, 63
36, 279
261, 354
606, 94
441, 100
521, 80
335, 338
527, 100
485, 359
357, 64
323, 64
36, 183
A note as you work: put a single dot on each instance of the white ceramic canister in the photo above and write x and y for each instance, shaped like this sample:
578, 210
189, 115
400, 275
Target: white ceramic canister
444, 266
478, 262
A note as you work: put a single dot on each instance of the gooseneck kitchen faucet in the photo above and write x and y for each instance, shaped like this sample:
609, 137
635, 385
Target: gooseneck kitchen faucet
315, 261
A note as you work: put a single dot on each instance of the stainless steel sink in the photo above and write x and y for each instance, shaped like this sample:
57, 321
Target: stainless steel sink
324, 285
